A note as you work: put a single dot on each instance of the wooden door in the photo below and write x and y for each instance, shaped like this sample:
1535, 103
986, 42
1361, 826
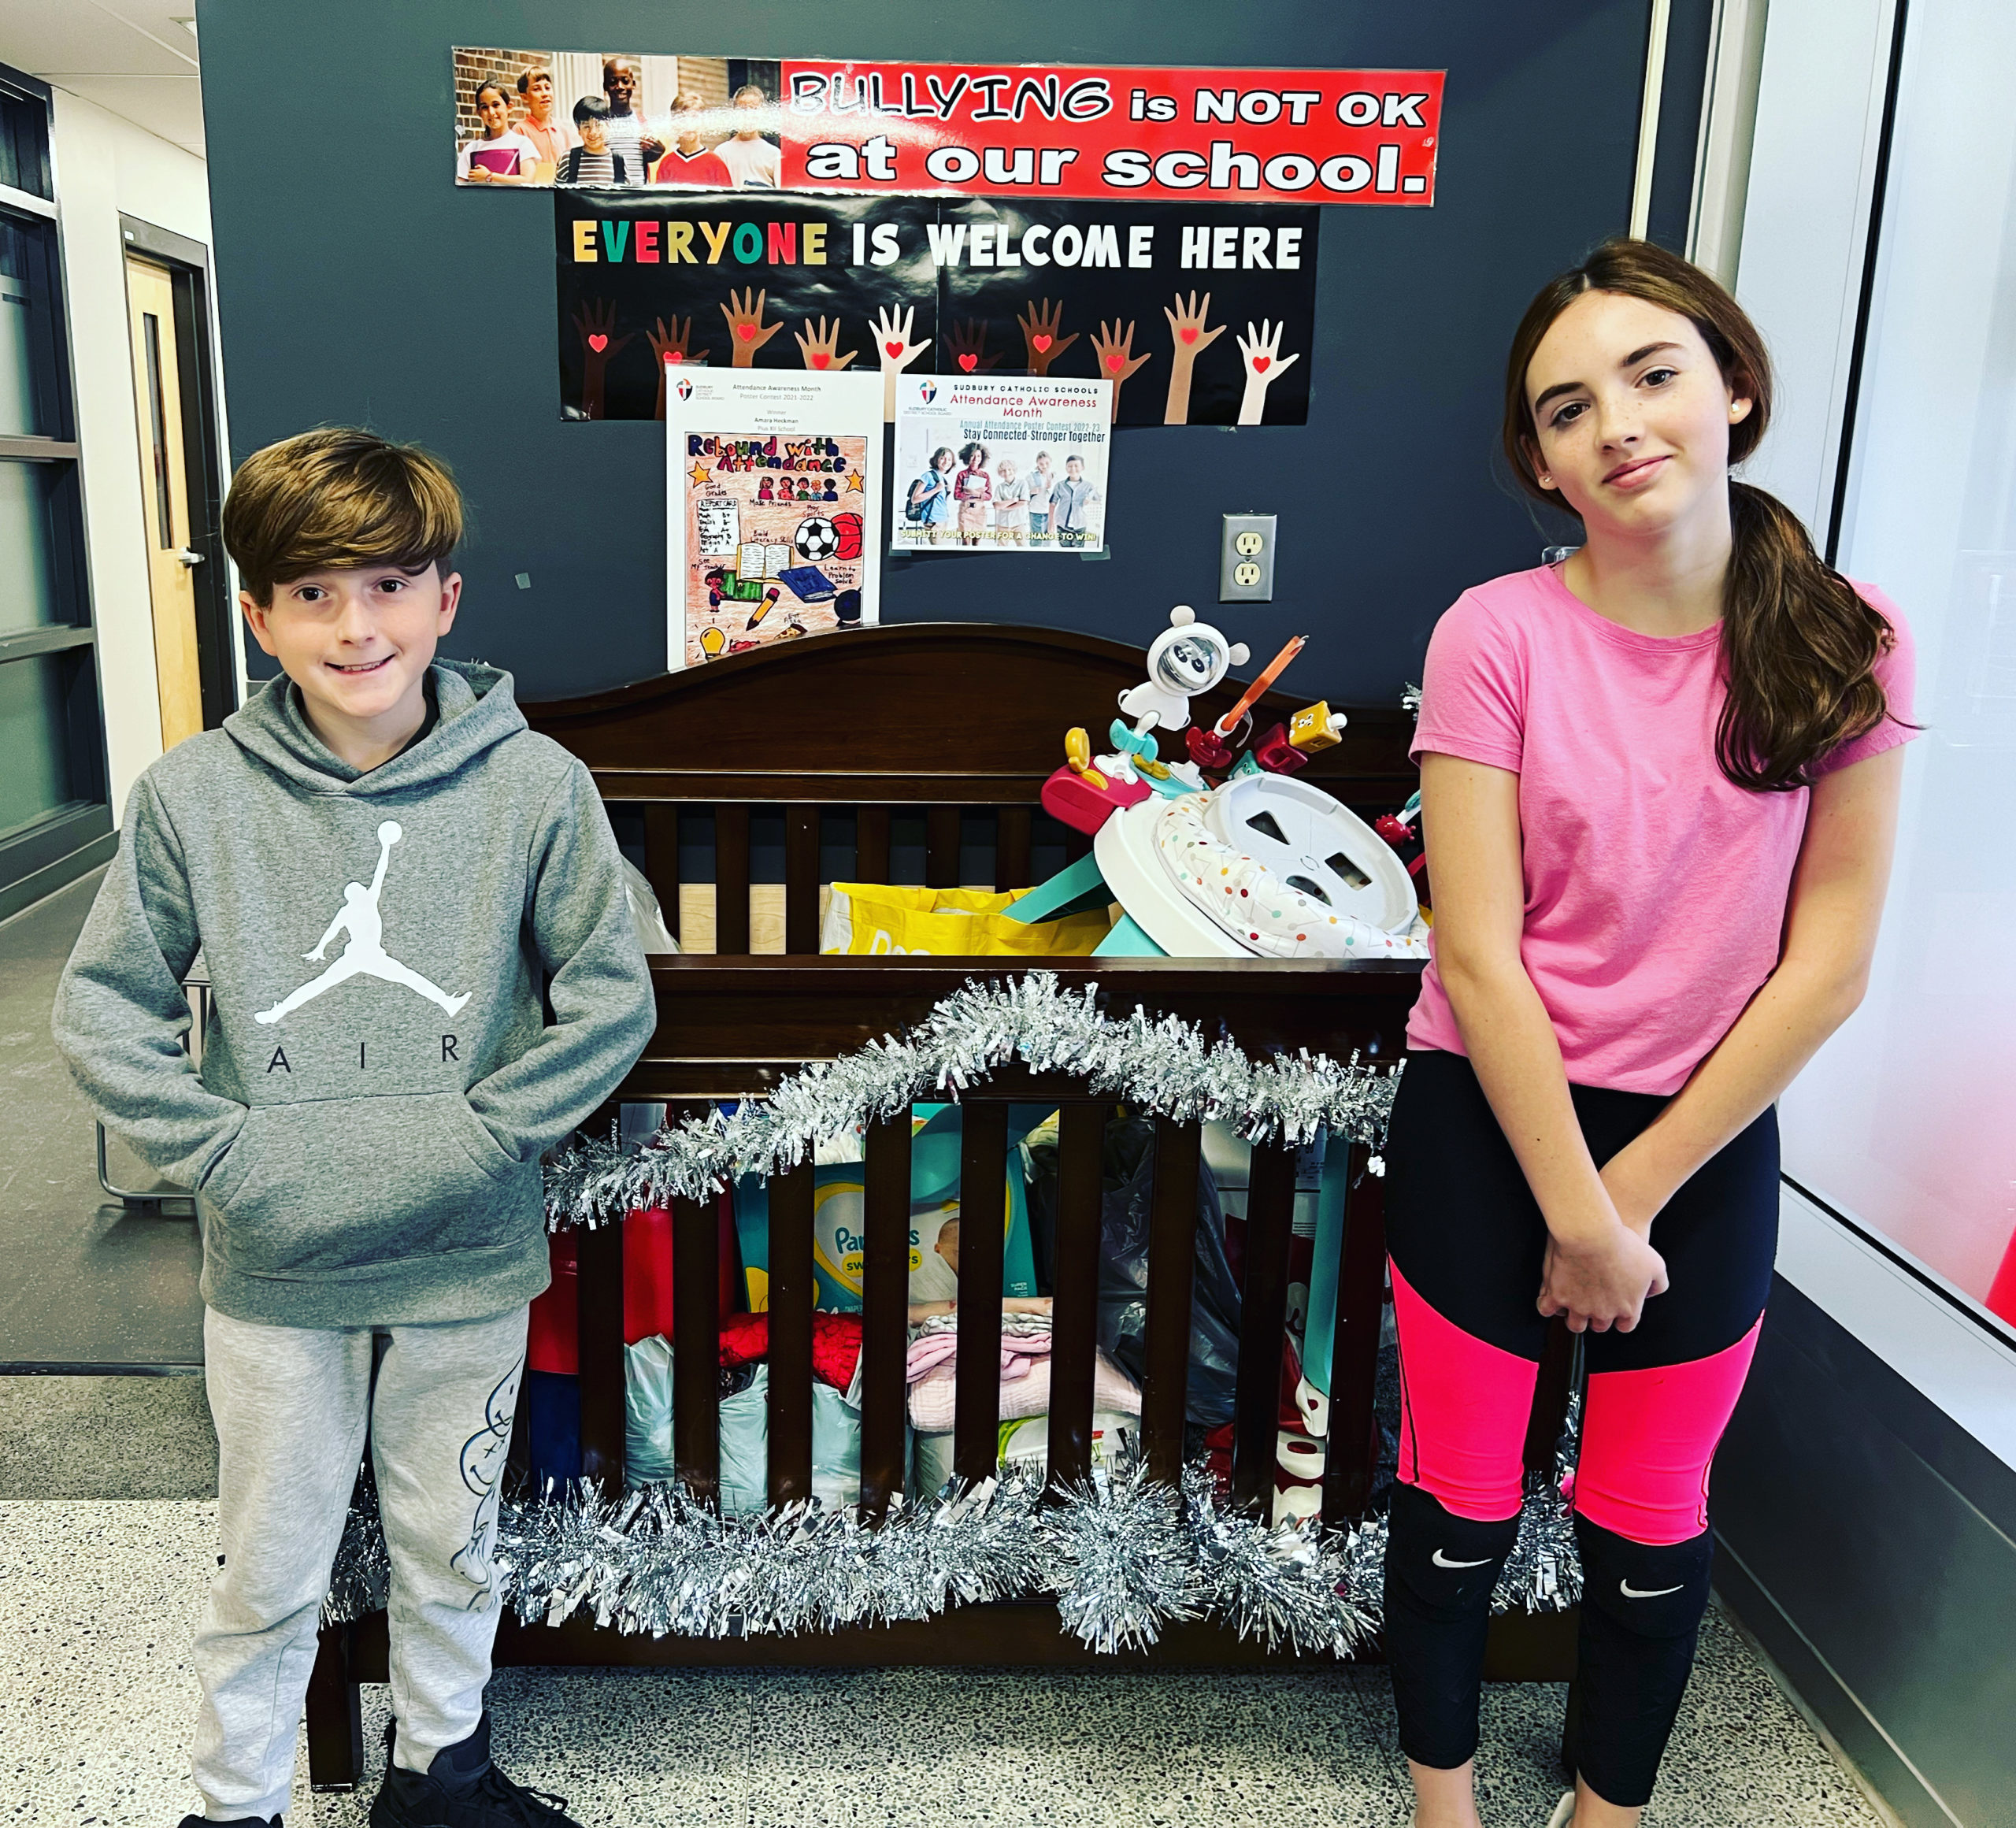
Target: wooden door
164, 484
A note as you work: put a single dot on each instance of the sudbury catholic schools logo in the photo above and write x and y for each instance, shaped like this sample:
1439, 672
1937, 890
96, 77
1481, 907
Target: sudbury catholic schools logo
683, 388
926, 391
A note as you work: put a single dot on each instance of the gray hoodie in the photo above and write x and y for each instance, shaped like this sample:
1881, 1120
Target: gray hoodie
379, 1077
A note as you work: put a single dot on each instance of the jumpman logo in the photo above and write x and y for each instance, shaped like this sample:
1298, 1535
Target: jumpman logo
365, 955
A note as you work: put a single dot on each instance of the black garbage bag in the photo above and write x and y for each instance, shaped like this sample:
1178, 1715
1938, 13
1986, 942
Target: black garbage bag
1123, 1304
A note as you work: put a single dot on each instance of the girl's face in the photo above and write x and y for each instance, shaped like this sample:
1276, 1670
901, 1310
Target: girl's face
493, 111
1631, 415
942, 461
977, 460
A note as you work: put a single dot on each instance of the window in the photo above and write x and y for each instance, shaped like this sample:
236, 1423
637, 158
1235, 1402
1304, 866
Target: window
54, 820
1905, 1121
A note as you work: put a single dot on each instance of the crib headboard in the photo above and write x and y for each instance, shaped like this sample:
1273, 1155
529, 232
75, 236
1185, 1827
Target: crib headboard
962, 722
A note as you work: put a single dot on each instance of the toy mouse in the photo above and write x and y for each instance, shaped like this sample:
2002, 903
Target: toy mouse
1187, 656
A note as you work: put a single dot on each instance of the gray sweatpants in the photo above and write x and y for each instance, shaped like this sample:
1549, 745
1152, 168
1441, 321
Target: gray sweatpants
291, 1405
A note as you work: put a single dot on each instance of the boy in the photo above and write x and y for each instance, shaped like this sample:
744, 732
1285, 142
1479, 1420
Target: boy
551, 138
1070, 503
690, 163
364, 1138
591, 162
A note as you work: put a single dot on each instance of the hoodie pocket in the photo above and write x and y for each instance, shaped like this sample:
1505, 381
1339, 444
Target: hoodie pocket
341, 1186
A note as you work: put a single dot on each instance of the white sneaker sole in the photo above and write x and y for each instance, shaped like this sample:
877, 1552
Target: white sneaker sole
1564, 1811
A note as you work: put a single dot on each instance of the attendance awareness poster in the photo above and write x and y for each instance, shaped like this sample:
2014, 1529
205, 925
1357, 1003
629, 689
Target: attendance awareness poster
773, 485
1000, 464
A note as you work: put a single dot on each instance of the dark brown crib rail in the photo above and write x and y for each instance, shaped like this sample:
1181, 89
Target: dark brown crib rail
951, 720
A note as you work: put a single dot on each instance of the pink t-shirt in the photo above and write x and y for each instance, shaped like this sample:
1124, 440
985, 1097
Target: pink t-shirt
1655, 887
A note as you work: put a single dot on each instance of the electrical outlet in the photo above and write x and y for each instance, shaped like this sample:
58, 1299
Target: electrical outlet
1246, 559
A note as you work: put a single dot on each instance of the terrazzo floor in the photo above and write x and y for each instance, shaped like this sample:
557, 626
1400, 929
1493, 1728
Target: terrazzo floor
97, 1599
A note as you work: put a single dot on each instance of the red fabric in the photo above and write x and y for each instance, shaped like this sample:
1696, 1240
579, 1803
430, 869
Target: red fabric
553, 1342
835, 1345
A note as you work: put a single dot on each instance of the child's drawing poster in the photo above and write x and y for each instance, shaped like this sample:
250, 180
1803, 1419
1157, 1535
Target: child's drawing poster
997, 463
773, 486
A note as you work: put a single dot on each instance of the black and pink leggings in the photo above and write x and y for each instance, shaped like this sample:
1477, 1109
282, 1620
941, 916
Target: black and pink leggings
1466, 1239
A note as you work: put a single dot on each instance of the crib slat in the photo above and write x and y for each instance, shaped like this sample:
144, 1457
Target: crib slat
885, 1297
731, 878
1011, 848
599, 1297
1171, 1260
1263, 1314
941, 847
802, 878
1354, 1449
983, 1169
696, 1346
1074, 1319
871, 844
1550, 1394
661, 859
791, 1293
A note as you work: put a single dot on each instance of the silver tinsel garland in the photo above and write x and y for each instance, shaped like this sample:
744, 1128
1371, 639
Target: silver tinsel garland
1164, 1065
1125, 1557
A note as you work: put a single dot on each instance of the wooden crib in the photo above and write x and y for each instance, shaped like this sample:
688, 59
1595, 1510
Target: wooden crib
933, 740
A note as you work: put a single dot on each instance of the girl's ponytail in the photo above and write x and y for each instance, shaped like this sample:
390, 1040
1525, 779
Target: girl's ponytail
1799, 645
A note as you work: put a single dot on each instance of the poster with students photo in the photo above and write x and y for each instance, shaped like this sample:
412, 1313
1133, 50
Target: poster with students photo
614, 119
988, 463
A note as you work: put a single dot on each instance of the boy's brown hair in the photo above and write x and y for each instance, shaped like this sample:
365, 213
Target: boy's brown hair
340, 496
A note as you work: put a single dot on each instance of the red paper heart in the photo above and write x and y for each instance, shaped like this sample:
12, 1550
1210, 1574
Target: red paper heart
598, 343
1042, 342
820, 359
675, 355
1113, 364
1262, 363
1188, 333
970, 362
745, 331
894, 350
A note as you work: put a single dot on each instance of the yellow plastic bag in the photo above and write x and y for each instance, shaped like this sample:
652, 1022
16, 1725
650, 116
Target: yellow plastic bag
874, 918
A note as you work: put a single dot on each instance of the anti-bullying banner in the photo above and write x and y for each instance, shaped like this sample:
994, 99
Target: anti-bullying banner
1035, 131
1202, 316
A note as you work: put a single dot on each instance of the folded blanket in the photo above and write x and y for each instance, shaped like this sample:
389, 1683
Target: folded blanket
1019, 1351
933, 1396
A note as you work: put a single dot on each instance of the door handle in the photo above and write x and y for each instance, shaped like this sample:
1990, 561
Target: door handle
186, 557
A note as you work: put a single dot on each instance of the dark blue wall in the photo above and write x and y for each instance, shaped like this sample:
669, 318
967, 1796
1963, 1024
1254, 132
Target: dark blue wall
357, 284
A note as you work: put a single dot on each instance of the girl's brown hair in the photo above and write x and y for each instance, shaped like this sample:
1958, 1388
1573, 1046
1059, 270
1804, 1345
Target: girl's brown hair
1799, 646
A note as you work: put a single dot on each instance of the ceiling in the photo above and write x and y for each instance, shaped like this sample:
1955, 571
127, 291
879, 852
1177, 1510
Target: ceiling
132, 58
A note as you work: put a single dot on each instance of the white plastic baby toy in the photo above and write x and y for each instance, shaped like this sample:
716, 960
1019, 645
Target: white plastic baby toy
1187, 656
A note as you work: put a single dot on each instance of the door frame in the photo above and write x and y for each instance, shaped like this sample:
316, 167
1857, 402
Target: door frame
188, 265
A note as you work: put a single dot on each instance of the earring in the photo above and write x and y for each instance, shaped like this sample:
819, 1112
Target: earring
1736, 412
1547, 481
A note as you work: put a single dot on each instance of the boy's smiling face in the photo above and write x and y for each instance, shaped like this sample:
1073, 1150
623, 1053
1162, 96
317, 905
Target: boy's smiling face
592, 136
358, 640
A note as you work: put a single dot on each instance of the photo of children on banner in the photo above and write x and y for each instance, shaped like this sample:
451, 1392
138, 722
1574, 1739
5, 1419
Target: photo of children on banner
896, 275
670, 121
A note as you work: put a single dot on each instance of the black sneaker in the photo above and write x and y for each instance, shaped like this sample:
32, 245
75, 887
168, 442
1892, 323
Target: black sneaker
462, 1789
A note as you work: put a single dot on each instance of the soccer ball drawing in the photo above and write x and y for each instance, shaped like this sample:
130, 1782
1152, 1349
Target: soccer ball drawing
816, 538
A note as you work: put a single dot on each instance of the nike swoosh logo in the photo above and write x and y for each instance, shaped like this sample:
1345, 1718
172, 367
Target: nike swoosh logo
1443, 1561
1632, 1592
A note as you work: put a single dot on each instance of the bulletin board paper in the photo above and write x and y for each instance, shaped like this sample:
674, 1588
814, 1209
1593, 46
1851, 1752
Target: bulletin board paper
772, 498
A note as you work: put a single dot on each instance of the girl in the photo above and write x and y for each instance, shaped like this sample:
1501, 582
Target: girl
972, 488
499, 156
1660, 784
